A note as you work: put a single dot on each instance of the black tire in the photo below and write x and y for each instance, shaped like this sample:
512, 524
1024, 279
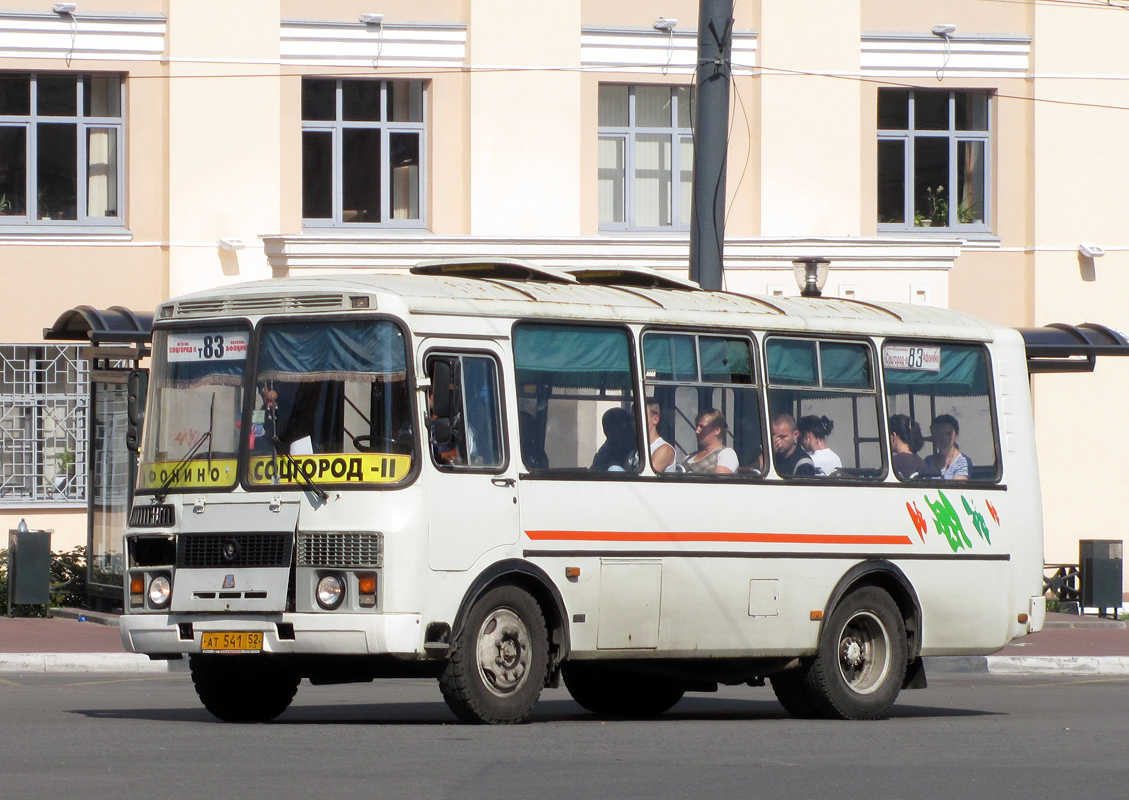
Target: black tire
243, 688
613, 692
862, 658
791, 690
499, 659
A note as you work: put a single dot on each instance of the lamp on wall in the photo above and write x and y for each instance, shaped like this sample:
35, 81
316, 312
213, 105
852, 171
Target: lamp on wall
231, 244
1091, 250
811, 275
663, 24
64, 8
372, 19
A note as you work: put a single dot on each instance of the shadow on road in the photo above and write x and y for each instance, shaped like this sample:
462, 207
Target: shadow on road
691, 709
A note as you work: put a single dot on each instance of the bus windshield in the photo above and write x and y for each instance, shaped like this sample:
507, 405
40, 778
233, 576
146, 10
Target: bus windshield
194, 404
331, 403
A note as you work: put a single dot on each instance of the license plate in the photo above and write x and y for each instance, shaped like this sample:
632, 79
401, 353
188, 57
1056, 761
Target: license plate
232, 642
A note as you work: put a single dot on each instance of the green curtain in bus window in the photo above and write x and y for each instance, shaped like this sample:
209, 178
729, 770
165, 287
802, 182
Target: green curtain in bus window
791, 362
572, 356
964, 371
668, 357
353, 351
725, 360
845, 366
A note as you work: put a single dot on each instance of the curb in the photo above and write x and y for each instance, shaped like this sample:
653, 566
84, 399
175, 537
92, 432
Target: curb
82, 615
100, 663
1027, 665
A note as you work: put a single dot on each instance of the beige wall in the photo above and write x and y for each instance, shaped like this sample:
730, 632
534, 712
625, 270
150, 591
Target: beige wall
809, 124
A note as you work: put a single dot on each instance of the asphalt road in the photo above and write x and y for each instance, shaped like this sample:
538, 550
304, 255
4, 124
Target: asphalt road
974, 736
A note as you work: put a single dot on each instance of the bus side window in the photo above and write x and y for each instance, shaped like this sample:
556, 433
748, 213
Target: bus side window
942, 383
827, 392
569, 378
687, 374
469, 433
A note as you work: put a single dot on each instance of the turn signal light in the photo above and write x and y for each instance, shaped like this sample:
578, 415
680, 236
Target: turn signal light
136, 590
1022, 619
366, 591
572, 573
816, 616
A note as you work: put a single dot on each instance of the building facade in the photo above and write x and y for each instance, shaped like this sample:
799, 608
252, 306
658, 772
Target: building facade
954, 156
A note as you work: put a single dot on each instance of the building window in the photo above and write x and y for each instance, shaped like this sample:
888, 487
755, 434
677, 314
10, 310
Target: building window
60, 149
646, 157
933, 148
44, 396
362, 146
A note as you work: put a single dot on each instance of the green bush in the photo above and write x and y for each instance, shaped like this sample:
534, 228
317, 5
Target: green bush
68, 582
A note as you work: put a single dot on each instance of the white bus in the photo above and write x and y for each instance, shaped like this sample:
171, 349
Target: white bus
501, 475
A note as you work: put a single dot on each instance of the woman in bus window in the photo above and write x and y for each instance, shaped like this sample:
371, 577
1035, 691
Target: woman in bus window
947, 458
713, 457
905, 441
662, 452
813, 431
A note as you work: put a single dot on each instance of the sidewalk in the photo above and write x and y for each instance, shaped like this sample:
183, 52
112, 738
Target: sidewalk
1068, 645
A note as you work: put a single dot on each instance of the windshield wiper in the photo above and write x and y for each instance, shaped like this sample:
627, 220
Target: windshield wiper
296, 469
163, 492
207, 437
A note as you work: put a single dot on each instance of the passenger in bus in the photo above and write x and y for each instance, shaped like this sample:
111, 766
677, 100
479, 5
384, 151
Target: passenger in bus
713, 457
790, 458
813, 433
619, 452
661, 451
947, 459
905, 442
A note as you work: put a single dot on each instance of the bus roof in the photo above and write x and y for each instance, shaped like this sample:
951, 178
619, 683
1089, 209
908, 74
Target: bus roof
537, 294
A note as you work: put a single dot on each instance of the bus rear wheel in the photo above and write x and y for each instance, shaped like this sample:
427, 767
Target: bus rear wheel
861, 664
612, 692
243, 688
499, 660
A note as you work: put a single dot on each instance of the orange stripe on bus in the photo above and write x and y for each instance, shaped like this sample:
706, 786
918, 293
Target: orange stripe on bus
715, 536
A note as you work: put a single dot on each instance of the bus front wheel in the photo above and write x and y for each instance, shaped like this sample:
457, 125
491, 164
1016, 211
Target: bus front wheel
243, 688
499, 660
862, 658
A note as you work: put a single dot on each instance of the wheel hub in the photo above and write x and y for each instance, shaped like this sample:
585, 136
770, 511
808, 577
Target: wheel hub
503, 652
852, 653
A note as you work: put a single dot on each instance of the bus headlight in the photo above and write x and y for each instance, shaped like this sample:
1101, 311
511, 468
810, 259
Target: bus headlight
330, 591
160, 591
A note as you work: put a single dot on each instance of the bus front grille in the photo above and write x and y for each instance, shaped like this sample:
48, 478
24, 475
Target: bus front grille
152, 516
347, 549
233, 550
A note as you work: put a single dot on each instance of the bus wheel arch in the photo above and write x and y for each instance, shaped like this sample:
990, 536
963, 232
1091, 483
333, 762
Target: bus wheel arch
887, 576
533, 580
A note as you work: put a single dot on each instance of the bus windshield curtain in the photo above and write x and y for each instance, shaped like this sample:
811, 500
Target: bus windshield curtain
572, 356
963, 372
362, 351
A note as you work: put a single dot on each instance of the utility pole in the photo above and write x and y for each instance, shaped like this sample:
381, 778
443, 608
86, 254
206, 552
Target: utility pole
711, 124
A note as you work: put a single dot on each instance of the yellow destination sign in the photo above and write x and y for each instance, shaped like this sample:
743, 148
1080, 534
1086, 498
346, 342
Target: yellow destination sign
329, 468
204, 474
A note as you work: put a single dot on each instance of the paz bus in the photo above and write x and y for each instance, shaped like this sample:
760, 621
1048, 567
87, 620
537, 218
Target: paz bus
449, 473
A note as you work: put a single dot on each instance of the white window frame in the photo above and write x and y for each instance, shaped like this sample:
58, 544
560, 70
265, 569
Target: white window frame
336, 127
954, 137
627, 134
83, 123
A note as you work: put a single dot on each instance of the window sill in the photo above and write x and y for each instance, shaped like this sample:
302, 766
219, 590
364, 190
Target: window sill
627, 233
63, 234
977, 237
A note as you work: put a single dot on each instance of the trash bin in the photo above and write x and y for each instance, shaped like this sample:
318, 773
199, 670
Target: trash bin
29, 567
1100, 561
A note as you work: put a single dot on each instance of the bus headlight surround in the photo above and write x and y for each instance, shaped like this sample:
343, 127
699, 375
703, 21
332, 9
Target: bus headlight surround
160, 591
330, 591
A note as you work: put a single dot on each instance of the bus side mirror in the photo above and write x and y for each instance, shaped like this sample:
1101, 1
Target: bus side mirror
137, 389
441, 401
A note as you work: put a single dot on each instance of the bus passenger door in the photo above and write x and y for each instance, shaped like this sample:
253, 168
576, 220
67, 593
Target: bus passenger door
471, 482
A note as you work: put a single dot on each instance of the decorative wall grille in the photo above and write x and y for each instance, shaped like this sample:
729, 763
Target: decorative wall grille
44, 399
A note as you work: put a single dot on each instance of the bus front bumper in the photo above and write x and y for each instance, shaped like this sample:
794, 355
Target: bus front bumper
337, 634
